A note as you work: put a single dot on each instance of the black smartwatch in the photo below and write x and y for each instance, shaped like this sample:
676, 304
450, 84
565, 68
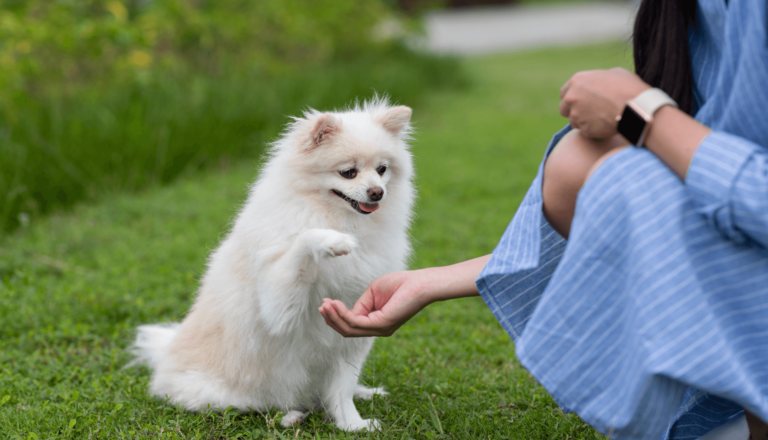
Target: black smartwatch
637, 117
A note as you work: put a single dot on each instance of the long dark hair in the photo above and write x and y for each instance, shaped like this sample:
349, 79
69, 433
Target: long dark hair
660, 43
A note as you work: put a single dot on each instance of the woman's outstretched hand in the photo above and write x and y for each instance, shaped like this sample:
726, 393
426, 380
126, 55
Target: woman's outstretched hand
387, 303
392, 299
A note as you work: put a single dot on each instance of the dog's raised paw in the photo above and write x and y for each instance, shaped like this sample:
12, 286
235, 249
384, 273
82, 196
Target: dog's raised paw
335, 244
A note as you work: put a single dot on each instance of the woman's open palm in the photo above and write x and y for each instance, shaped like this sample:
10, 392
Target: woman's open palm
387, 303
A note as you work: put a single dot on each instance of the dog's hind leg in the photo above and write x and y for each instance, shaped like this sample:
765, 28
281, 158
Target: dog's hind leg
293, 417
283, 296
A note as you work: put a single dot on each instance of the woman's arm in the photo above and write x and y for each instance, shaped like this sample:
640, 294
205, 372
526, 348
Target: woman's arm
727, 176
727, 181
674, 137
396, 297
593, 99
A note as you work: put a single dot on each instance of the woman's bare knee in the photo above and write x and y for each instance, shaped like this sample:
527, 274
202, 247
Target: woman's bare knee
561, 184
600, 161
566, 170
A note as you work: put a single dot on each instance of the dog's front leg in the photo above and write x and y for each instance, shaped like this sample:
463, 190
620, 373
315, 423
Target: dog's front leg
283, 299
338, 400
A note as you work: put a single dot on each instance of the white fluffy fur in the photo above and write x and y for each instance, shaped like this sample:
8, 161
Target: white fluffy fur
254, 338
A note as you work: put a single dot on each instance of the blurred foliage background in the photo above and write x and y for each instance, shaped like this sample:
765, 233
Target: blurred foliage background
100, 96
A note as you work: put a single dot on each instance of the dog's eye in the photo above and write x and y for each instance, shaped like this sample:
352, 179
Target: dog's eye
349, 174
381, 170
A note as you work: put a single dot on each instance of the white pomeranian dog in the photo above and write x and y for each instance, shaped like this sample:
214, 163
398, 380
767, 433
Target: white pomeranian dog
328, 214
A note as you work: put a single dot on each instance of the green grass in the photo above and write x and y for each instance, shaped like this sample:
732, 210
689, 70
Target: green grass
74, 286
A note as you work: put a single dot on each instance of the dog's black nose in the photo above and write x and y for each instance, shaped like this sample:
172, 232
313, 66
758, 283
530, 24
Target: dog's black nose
375, 193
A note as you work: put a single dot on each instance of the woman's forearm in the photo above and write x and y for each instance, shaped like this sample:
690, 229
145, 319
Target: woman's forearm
454, 281
674, 138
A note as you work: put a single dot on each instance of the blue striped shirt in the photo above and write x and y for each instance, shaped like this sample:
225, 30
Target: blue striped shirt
651, 321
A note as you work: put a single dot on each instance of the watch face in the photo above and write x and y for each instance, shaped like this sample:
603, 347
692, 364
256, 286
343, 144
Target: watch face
631, 125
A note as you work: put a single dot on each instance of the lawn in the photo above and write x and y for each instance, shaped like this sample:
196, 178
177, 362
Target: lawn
75, 285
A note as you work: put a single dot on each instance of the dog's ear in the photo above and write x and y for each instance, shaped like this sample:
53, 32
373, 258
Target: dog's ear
325, 127
395, 119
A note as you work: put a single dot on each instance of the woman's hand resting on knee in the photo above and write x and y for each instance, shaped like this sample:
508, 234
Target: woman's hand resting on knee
592, 100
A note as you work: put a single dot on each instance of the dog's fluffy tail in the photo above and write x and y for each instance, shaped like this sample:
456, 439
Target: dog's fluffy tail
152, 343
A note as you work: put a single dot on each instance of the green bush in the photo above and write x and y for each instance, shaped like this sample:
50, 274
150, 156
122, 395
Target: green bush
50, 45
102, 96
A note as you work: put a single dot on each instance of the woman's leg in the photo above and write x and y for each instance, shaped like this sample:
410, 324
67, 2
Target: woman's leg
566, 170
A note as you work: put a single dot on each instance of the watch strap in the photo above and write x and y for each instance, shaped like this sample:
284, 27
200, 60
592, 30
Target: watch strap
651, 100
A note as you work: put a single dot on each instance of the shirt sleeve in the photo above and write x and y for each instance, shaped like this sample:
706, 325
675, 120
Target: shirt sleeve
728, 182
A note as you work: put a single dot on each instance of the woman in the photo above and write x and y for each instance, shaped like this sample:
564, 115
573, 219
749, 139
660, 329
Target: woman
651, 319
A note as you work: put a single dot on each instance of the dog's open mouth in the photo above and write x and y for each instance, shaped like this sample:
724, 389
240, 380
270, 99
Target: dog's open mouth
362, 208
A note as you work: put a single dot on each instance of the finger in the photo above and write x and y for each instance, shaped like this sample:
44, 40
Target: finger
564, 89
332, 319
328, 320
584, 128
325, 312
358, 325
565, 108
577, 78
349, 318
344, 327
593, 132
364, 304
352, 319
331, 314
576, 124
583, 75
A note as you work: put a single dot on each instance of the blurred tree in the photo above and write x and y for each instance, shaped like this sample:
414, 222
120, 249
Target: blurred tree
113, 95
59, 45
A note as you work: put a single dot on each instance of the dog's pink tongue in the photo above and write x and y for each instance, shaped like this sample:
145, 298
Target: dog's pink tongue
368, 208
